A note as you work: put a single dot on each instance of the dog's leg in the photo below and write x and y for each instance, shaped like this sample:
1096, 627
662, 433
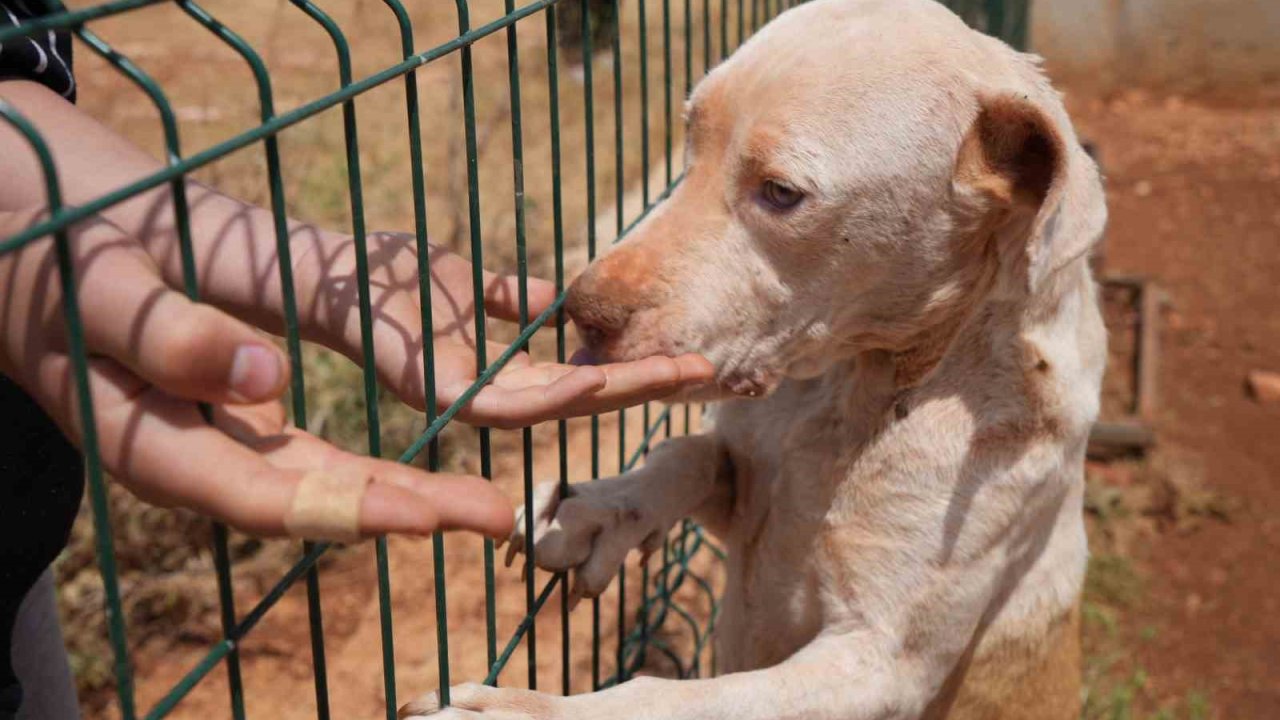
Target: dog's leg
833, 678
596, 524
912, 587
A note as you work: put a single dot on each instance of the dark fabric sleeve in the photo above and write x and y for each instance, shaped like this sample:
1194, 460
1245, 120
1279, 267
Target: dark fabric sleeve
41, 483
41, 473
44, 57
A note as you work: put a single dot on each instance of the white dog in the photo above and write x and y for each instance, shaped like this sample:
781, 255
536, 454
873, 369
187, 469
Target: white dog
881, 244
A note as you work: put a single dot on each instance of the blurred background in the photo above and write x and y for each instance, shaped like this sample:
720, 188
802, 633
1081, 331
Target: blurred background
1179, 100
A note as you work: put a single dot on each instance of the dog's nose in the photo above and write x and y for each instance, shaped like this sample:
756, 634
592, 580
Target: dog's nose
600, 316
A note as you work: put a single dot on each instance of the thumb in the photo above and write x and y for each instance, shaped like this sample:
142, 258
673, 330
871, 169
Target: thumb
199, 352
184, 348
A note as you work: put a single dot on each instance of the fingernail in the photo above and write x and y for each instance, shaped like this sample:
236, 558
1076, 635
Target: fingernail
255, 372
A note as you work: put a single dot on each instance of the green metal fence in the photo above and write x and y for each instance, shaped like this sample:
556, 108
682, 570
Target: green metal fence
716, 27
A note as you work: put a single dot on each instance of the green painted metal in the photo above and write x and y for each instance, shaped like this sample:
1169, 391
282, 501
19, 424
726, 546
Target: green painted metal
667, 129
644, 111
661, 610
531, 598
358, 232
418, 180
84, 399
557, 215
182, 216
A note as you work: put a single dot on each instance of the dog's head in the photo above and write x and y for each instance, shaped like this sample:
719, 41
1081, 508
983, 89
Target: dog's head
858, 175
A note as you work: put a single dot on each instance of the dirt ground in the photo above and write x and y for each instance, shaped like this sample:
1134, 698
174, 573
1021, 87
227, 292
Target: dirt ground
1189, 610
1194, 193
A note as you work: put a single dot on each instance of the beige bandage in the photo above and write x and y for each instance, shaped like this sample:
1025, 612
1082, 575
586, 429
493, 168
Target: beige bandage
326, 505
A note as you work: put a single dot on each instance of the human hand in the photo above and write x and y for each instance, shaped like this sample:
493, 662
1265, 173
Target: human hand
152, 354
522, 393
235, 252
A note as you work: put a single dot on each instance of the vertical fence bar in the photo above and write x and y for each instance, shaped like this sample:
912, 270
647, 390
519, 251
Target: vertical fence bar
477, 280
643, 611
173, 154
227, 614
688, 48
589, 133
619, 216
724, 29
182, 220
557, 214
644, 118
620, 672
668, 163
88, 426
741, 24
644, 182
355, 191
522, 269
619, 176
1015, 31
293, 342
423, 249
706, 37
666, 90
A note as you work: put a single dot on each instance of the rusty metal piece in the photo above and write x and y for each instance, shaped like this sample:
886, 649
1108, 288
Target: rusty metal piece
1133, 435
1108, 440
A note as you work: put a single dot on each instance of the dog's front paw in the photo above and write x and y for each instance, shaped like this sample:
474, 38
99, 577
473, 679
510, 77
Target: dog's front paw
589, 531
481, 701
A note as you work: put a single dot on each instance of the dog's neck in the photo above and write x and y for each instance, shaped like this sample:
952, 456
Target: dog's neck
995, 342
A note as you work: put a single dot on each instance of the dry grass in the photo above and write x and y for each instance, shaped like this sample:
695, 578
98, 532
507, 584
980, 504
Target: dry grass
1129, 505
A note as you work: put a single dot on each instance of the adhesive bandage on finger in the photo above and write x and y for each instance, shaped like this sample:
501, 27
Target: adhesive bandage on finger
326, 505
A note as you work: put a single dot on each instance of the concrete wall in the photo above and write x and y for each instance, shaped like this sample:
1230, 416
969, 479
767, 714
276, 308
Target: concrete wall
1214, 46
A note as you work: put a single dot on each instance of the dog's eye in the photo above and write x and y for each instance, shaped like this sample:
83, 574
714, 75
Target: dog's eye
780, 196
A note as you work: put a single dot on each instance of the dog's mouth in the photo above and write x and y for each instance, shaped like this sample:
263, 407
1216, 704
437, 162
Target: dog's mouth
584, 356
755, 383
729, 383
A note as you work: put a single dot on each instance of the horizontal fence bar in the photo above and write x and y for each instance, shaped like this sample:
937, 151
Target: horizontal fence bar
71, 18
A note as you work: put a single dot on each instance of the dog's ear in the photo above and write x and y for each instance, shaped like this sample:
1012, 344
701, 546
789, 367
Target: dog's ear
1015, 169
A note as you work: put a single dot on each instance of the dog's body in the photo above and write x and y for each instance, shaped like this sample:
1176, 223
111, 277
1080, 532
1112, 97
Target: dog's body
881, 239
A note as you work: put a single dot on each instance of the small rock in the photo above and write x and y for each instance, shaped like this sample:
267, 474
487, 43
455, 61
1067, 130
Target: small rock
1264, 386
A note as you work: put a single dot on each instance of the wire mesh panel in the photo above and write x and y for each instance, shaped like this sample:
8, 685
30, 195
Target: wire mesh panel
610, 76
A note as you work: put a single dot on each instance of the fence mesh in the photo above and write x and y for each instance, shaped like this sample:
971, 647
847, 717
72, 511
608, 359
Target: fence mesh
660, 627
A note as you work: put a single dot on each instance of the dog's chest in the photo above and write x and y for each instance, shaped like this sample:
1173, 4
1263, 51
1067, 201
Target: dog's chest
788, 453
